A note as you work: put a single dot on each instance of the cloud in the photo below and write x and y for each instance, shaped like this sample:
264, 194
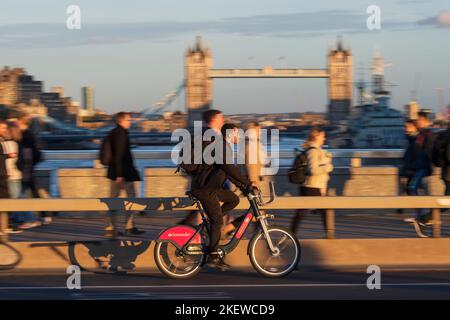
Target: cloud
441, 20
307, 24
412, 1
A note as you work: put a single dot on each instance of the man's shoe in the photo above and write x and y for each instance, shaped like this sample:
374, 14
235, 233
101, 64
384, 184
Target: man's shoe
110, 234
46, 220
217, 263
419, 229
133, 232
13, 230
30, 225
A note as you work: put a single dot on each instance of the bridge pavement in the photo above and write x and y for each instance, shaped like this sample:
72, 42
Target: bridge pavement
349, 224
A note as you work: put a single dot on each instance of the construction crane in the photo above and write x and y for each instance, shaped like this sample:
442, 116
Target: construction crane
415, 90
443, 110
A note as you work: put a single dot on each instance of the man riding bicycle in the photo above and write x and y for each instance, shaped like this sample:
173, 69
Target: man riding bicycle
208, 187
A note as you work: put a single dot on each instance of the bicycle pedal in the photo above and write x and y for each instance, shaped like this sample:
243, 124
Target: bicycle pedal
266, 216
195, 249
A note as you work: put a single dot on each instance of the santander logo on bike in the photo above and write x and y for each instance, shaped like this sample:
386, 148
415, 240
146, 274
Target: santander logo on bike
178, 234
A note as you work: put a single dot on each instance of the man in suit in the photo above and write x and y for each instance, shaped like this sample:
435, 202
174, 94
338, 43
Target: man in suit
122, 173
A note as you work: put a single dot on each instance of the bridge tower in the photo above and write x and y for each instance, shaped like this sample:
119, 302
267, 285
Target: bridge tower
198, 64
340, 83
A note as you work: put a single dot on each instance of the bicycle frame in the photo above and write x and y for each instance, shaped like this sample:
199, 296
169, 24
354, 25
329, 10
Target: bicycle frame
252, 211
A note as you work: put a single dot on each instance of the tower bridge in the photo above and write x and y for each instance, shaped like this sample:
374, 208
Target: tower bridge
199, 74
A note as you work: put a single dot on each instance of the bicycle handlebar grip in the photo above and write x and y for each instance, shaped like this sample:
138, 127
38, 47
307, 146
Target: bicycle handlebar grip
250, 190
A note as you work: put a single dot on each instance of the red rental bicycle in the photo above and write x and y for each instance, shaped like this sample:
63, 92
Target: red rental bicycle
273, 251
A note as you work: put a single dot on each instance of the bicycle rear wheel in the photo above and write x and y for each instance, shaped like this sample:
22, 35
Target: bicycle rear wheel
277, 264
174, 264
9, 256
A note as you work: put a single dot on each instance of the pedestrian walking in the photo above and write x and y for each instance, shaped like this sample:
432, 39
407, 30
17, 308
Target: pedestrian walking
20, 220
29, 156
316, 167
122, 173
421, 153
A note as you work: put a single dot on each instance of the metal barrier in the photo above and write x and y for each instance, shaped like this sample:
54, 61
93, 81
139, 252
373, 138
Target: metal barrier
348, 157
165, 153
184, 204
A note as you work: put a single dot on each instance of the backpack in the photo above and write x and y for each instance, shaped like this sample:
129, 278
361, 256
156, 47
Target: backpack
105, 154
190, 168
439, 153
298, 172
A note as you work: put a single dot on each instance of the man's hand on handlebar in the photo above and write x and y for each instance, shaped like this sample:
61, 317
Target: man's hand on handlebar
251, 189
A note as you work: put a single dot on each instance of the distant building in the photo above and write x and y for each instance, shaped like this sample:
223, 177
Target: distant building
34, 109
28, 89
59, 108
9, 85
88, 98
411, 110
59, 90
166, 122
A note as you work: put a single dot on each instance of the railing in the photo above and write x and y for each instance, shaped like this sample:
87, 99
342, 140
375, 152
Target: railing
355, 156
163, 153
182, 204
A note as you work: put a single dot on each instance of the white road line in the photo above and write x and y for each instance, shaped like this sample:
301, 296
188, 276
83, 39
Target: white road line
280, 285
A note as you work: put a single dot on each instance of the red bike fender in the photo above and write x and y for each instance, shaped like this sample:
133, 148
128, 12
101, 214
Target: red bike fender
179, 235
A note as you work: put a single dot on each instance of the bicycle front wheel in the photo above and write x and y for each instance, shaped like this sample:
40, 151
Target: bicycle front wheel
283, 260
9, 256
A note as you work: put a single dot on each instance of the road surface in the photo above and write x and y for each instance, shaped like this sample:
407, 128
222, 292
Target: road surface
229, 285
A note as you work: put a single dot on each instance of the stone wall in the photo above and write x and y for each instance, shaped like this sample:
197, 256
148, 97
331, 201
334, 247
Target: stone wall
163, 182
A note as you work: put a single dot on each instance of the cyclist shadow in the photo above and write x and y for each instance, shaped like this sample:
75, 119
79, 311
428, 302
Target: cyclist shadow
114, 256
119, 256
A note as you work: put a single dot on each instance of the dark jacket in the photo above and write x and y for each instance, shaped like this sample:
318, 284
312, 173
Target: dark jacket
213, 176
28, 141
122, 160
424, 150
3, 157
409, 165
4, 193
445, 173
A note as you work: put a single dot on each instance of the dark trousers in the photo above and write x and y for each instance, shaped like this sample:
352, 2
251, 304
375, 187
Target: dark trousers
210, 200
447, 187
300, 215
31, 185
4, 192
415, 182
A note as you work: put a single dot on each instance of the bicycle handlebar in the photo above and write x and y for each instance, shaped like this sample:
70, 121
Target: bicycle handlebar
258, 196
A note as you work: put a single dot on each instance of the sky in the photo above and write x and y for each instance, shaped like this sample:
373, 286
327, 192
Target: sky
132, 52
